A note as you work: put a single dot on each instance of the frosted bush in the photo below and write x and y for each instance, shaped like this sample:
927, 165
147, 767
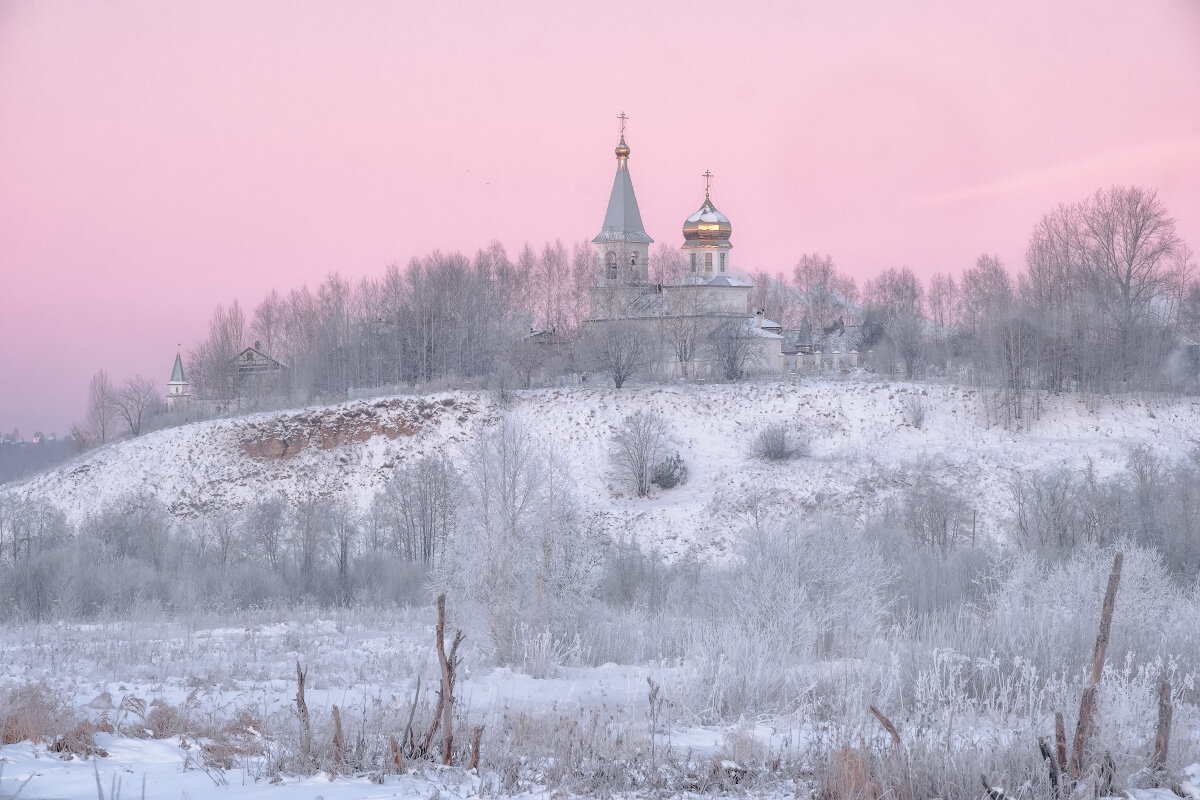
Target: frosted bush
778, 443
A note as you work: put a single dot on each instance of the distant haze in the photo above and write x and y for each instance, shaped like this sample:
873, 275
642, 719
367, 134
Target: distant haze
159, 158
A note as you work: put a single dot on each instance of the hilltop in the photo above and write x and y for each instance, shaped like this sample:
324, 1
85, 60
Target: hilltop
863, 448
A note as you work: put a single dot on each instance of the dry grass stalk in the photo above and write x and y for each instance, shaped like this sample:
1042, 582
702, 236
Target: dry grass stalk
849, 777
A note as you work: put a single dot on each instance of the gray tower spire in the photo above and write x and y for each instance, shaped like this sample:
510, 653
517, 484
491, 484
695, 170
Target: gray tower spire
622, 246
177, 387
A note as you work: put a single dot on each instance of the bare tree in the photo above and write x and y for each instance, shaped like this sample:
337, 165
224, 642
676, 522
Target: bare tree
1131, 240
636, 446
621, 348
935, 516
777, 299
268, 321
418, 507
733, 347
984, 289
265, 520
943, 301
344, 525
826, 294
100, 411
893, 301
667, 264
135, 402
684, 322
214, 374
551, 275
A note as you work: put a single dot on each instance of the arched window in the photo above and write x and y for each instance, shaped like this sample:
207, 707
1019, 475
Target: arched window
722, 262
612, 265
708, 262
693, 262
633, 259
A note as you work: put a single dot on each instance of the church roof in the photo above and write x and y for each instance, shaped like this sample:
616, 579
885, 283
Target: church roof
708, 213
725, 280
720, 280
177, 371
623, 220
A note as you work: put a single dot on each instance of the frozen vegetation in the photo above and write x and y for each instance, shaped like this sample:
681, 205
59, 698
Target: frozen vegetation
701, 589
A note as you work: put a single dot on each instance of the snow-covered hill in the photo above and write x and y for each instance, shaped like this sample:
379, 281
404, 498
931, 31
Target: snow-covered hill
863, 448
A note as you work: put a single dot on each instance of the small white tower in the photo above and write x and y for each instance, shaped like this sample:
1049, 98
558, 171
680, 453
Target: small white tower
177, 387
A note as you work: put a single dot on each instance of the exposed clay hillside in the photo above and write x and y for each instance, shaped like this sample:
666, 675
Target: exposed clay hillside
863, 450
288, 435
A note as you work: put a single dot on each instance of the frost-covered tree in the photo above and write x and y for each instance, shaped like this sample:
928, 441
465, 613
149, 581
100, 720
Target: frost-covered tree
416, 510
520, 558
636, 446
620, 348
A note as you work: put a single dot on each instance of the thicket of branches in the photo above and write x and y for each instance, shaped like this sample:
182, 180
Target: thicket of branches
1107, 300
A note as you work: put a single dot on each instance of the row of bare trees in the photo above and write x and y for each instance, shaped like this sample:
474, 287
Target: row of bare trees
113, 410
442, 316
1107, 289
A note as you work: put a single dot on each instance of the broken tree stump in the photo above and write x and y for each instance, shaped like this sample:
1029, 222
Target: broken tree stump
1087, 703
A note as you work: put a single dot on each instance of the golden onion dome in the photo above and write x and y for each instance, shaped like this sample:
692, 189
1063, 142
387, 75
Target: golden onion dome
622, 149
707, 224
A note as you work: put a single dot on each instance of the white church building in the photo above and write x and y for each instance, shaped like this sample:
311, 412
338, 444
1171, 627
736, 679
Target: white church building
708, 301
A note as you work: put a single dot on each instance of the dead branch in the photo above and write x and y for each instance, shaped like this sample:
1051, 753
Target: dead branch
1087, 703
887, 724
1162, 741
995, 794
1060, 742
302, 707
447, 665
412, 710
397, 758
1048, 754
476, 738
339, 741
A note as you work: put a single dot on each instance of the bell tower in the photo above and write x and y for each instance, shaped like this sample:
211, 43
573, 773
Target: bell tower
177, 387
622, 246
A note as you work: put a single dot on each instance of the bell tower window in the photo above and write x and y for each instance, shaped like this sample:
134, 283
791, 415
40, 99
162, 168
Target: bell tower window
708, 262
693, 262
722, 262
612, 265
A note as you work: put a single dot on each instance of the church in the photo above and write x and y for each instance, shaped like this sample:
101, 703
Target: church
706, 305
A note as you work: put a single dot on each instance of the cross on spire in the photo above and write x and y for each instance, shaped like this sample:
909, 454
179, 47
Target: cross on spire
707, 181
623, 117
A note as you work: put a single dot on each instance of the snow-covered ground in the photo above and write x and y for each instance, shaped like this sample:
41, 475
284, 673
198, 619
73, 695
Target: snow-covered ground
863, 447
240, 670
118, 674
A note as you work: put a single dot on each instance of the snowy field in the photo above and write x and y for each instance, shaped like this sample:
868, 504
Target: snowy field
200, 704
233, 688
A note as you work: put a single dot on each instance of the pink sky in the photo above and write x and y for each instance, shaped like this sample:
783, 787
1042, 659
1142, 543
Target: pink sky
159, 158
